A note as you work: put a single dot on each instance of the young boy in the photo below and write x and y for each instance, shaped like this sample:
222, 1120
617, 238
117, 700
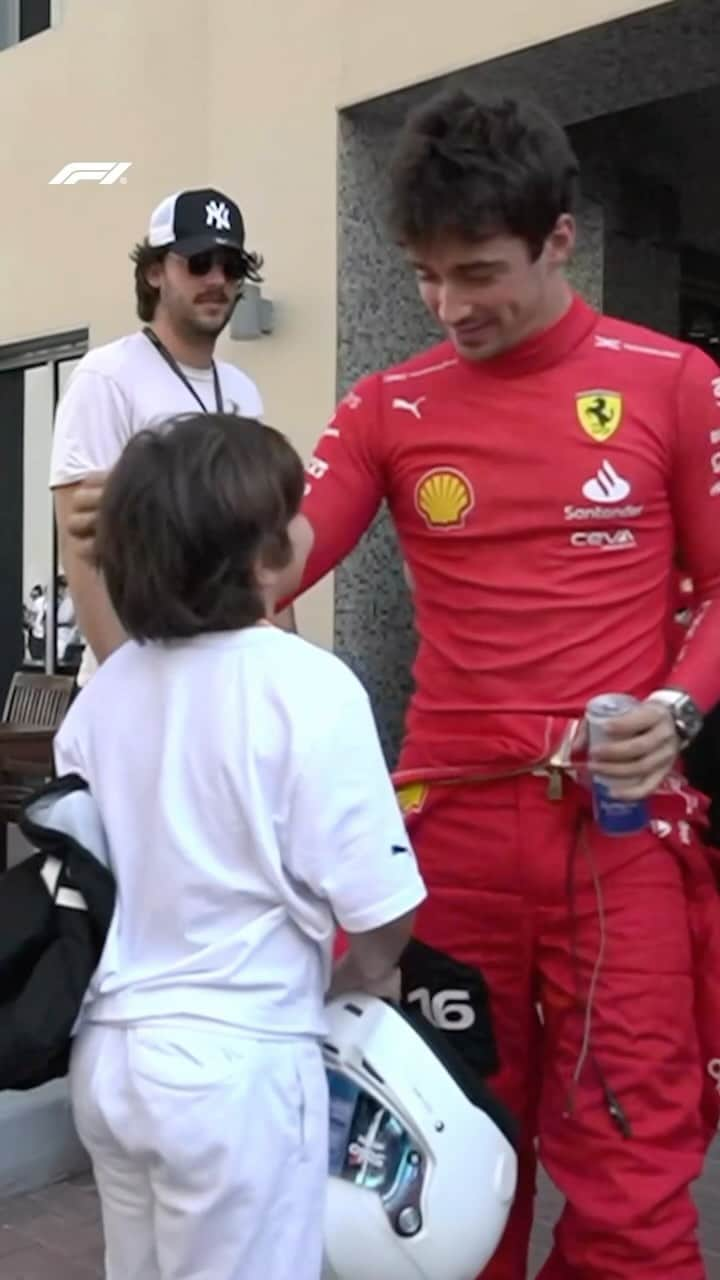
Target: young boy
248, 811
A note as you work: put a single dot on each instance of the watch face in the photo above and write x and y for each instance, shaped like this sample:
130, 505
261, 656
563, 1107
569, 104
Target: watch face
688, 719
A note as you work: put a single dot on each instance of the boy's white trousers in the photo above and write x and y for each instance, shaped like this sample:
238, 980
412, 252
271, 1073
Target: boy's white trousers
210, 1151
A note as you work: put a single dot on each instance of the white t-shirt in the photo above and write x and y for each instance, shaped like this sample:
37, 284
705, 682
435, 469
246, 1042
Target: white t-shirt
247, 807
120, 389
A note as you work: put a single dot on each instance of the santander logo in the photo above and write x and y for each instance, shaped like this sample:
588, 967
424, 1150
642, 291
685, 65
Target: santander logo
606, 486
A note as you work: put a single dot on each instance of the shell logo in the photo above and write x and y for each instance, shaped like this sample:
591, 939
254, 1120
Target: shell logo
412, 797
444, 497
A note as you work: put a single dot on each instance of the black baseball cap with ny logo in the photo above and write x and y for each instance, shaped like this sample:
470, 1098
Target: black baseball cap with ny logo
192, 221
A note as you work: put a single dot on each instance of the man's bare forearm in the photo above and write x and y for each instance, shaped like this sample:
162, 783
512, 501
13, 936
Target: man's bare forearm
95, 615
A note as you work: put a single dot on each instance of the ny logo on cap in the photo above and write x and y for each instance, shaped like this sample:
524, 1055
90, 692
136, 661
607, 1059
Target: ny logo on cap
217, 215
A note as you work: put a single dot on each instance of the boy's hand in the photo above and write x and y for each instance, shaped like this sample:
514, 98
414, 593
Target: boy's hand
389, 988
346, 978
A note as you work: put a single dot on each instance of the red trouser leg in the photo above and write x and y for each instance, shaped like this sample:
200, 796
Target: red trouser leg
503, 864
629, 1211
469, 846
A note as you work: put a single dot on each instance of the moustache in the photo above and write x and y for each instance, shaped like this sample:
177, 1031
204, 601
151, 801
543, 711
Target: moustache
216, 296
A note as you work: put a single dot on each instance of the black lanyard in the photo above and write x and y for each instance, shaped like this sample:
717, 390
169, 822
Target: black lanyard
172, 362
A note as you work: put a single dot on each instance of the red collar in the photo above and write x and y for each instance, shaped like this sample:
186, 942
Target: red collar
541, 350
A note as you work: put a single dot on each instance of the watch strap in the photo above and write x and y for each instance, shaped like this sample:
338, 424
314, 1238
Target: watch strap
668, 697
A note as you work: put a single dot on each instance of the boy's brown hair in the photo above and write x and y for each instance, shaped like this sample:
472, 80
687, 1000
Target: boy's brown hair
188, 513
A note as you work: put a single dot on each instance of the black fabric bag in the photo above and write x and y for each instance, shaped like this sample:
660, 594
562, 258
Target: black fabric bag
55, 912
454, 998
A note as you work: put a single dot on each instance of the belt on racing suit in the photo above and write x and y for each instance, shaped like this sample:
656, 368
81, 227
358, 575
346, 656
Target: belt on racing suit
554, 763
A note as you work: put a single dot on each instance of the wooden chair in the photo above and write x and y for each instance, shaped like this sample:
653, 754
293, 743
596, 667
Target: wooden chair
37, 700
34, 709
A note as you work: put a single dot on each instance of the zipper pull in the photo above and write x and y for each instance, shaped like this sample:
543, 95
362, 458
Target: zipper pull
617, 1114
555, 785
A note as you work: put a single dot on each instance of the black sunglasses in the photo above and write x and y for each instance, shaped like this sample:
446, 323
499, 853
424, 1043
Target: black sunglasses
231, 262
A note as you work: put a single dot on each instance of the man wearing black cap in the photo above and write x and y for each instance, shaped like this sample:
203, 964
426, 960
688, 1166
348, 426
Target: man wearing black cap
189, 271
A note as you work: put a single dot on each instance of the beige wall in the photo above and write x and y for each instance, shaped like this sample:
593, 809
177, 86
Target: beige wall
114, 81
388, 44
233, 93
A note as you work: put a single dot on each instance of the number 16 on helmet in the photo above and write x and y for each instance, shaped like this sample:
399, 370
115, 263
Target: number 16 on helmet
423, 1163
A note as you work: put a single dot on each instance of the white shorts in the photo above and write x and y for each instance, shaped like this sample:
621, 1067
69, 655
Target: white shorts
210, 1151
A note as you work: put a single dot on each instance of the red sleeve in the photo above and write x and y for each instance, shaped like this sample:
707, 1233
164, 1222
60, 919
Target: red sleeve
345, 480
695, 495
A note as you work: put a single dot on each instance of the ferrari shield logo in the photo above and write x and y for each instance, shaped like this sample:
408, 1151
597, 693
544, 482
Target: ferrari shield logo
600, 413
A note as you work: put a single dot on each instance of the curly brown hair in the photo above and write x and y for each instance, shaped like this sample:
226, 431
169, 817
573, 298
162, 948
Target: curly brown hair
474, 169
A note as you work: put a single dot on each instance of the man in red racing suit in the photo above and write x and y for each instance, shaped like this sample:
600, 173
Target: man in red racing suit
544, 468
541, 467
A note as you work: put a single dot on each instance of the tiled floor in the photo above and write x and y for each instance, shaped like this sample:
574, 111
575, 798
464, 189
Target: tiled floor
55, 1234
52, 1235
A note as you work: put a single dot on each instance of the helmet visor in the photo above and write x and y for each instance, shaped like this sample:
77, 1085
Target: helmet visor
371, 1147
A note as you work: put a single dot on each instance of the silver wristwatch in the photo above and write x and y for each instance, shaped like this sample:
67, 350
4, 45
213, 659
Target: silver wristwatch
687, 716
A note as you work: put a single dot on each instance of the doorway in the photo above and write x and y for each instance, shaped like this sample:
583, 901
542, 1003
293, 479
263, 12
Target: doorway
37, 623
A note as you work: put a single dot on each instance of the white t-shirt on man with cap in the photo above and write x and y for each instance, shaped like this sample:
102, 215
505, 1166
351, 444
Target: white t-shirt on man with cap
195, 247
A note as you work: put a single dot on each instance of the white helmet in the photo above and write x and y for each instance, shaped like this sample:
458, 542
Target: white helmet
422, 1159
